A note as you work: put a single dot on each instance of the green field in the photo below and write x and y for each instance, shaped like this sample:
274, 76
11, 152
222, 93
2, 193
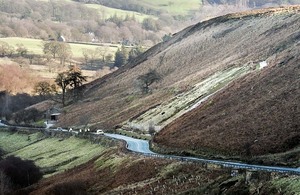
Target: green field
35, 46
55, 154
107, 12
174, 7
13, 142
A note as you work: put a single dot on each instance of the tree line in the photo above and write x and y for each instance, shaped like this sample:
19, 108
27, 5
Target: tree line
76, 22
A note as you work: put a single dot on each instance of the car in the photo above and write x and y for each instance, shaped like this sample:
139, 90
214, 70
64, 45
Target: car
59, 129
100, 132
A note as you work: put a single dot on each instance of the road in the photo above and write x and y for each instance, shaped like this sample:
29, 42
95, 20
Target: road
142, 147
135, 145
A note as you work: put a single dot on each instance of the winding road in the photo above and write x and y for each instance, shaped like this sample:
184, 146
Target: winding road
142, 147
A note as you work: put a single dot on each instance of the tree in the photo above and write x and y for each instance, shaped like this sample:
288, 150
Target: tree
43, 89
134, 52
57, 49
51, 48
72, 79
64, 53
147, 79
6, 49
120, 57
21, 50
91, 55
62, 80
76, 80
150, 24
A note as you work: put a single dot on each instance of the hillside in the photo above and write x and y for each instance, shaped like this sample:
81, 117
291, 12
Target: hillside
223, 54
73, 165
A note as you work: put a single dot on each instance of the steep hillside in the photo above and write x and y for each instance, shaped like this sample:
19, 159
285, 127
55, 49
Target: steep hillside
213, 54
255, 115
116, 172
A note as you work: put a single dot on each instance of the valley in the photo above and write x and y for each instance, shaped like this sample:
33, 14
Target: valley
214, 95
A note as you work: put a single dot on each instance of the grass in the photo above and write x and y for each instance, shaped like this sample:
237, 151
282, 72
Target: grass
290, 185
174, 7
35, 46
108, 12
55, 154
60, 154
11, 142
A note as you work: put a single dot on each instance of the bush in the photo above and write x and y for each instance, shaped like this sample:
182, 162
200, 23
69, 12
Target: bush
21, 173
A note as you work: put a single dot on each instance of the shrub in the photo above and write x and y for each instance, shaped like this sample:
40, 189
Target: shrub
21, 173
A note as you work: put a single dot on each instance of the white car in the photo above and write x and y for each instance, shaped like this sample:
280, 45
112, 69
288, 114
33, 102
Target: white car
100, 132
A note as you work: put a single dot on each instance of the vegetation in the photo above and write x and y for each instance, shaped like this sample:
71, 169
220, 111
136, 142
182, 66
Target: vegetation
72, 79
147, 79
35, 46
121, 57
50, 153
176, 7
206, 63
120, 173
17, 173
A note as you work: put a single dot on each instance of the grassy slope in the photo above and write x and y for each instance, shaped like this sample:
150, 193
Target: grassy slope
35, 46
52, 154
13, 142
115, 172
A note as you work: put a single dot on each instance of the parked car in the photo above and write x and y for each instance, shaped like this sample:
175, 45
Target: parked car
99, 132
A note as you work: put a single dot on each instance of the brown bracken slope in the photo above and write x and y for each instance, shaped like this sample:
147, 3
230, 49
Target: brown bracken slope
257, 114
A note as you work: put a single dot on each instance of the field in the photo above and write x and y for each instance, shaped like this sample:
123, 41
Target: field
107, 12
52, 154
175, 7
35, 46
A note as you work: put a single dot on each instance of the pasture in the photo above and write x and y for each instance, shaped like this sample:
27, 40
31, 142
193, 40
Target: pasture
35, 46
174, 7
52, 154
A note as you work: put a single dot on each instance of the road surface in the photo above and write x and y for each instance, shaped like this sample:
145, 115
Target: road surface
142, 146
135, 145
